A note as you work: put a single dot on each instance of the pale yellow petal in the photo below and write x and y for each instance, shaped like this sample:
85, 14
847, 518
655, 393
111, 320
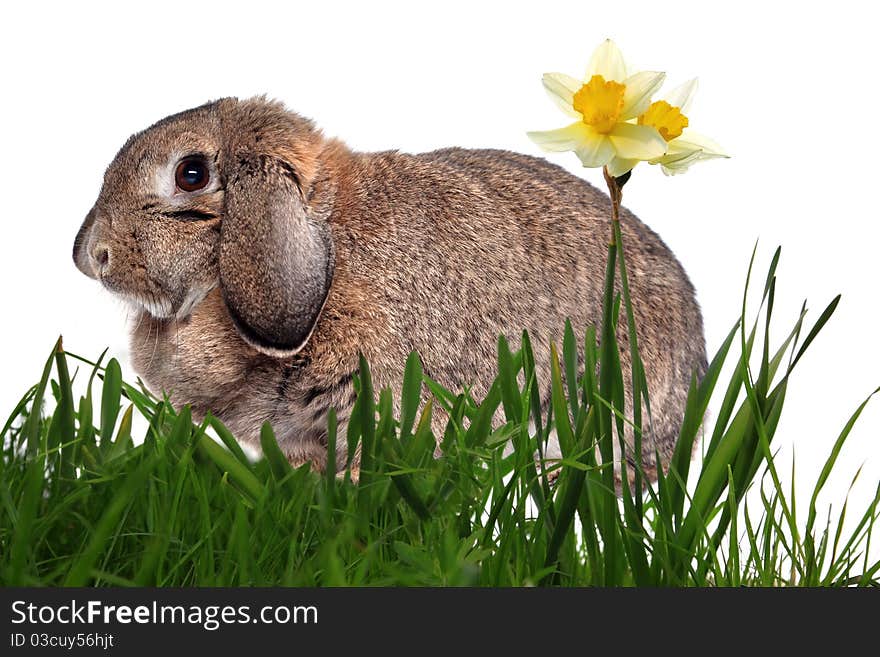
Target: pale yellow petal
681, 162
561, 88
619, 166
682, 96
687, 150
564, 139
637, 142
596, 150
676, 164
639, 89
607, 61
691, 140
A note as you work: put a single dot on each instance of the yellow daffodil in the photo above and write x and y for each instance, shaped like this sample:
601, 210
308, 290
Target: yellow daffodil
684, 146
605, 104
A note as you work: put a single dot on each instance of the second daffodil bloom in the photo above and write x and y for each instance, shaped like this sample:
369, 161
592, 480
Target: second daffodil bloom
684, 146
605, 105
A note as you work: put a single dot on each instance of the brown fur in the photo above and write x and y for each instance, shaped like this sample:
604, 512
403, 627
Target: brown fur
439, 252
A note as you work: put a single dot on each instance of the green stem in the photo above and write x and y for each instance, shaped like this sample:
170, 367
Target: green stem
638, 382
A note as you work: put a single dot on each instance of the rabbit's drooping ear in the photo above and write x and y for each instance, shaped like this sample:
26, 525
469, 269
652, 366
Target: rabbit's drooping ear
276, 264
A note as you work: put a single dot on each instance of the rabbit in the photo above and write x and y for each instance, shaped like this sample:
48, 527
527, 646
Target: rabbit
262, 258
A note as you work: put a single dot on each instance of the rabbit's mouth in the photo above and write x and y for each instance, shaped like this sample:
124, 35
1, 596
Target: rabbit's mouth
155, 303
159, 304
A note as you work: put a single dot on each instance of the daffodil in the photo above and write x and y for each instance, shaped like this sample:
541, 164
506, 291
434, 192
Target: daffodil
605, 105
684, 146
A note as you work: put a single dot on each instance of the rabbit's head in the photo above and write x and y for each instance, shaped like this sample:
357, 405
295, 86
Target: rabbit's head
217, 196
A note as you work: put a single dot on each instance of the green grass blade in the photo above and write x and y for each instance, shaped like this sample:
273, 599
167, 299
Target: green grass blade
411, 393
110, 400
278, 462
226, 437
507, 381
227, 463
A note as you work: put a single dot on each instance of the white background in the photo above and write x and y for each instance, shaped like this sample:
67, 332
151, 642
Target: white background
789, 89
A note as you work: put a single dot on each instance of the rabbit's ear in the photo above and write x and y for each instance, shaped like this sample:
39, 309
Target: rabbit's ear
276, 263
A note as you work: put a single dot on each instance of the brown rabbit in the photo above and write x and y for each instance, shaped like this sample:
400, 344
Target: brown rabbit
263, 257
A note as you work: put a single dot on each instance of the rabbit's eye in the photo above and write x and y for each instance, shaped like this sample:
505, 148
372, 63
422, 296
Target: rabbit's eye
192, 174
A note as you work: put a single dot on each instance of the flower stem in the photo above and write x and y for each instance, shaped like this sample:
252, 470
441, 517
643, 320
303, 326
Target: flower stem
615, 191
638, 382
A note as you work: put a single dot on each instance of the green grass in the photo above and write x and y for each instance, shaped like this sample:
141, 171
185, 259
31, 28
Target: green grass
81, 504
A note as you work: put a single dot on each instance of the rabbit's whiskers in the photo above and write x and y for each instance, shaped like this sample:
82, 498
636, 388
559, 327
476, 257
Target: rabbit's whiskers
140, 319
155, 347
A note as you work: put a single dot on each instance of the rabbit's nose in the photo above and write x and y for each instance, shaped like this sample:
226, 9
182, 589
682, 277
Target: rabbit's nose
101, 257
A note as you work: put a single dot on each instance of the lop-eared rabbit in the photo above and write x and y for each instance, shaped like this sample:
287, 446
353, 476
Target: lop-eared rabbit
262, 257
